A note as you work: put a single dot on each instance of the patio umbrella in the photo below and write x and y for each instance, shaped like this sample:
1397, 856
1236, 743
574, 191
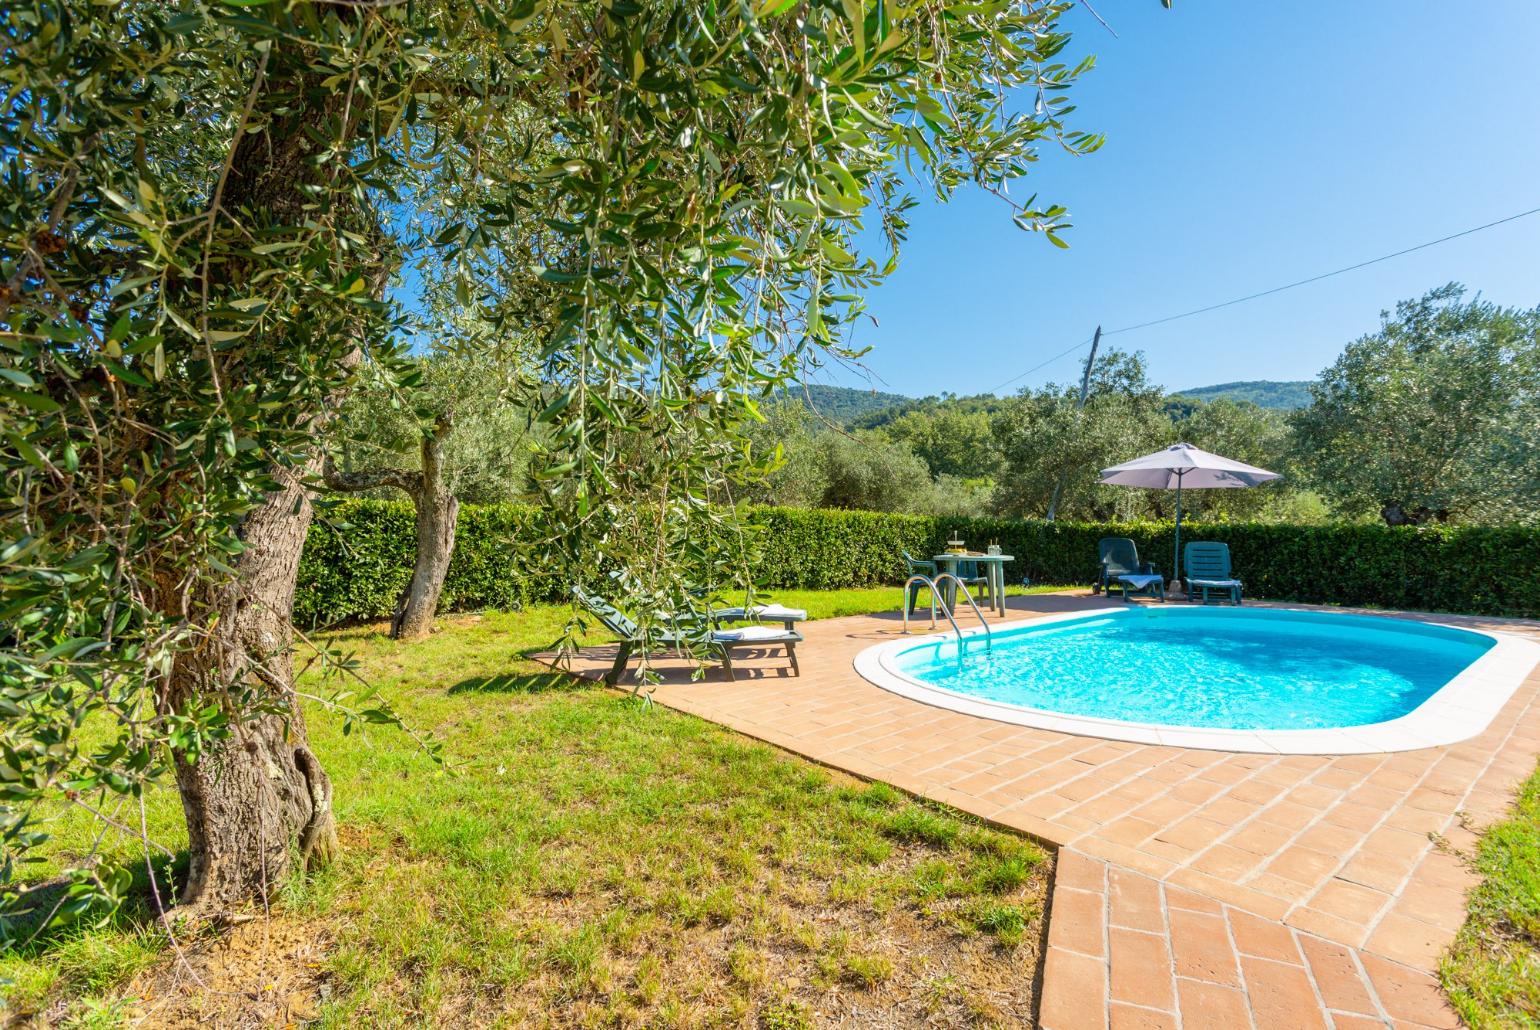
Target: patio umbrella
1180, 465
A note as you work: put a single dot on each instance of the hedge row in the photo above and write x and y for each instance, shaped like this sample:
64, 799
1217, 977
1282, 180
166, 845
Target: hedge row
358, 558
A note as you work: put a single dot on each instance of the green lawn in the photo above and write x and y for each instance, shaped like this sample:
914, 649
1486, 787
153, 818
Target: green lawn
1492, 973
585, 862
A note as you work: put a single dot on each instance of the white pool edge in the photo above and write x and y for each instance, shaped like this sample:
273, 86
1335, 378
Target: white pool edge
1459, 710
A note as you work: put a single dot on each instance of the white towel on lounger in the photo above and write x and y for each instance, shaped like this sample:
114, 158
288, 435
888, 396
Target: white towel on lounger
749, 633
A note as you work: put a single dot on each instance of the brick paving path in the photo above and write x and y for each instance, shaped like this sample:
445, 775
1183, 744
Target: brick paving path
1126, 950
1332, 882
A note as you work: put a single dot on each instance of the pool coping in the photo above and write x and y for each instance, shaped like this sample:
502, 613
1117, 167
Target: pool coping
1457, 711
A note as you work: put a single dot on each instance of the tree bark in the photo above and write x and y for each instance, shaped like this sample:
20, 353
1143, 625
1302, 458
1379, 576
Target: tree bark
437, 511
258, 803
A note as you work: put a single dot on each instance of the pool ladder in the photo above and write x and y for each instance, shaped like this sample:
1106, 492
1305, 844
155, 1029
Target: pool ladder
935, 600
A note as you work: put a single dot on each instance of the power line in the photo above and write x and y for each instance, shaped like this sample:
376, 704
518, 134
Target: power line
1275, 289
1323, 275
1043, 364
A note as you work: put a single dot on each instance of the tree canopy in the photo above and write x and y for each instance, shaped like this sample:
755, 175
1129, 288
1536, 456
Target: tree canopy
1433, 417
204, 207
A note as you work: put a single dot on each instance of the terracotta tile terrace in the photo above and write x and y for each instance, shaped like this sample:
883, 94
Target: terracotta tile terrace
1194, 888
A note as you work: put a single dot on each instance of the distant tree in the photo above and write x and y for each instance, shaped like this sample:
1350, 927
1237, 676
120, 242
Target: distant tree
842, 405
1245, 432
798, 478
1285, 395
1431, 418
866, 471
1044, 440
446, 435
952, 442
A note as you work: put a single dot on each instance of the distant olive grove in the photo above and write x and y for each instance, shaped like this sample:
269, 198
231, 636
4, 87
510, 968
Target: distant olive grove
1433, 418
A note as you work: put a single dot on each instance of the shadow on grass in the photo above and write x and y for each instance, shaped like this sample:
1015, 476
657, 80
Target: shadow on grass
521, 683
47, 901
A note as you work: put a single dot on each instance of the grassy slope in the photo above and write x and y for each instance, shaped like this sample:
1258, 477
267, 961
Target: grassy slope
1493, 971
591, 862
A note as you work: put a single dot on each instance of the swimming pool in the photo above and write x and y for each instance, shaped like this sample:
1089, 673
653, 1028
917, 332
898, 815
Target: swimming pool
1241, 679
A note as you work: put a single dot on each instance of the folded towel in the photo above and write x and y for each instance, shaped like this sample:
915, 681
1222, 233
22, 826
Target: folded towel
779, 611
761, 611
1215, 582
751, 633
1139, 582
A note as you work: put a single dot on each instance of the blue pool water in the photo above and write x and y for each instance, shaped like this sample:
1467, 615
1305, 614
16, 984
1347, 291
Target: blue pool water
1223, 668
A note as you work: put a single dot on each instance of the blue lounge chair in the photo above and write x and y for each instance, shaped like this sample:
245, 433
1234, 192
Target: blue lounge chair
722, 642
1122, 568
1206, 568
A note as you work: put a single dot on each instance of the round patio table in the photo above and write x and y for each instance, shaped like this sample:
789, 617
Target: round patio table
994, 572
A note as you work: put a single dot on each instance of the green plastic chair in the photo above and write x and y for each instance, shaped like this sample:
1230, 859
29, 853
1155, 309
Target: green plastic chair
978, 585
917, 568
1206, 569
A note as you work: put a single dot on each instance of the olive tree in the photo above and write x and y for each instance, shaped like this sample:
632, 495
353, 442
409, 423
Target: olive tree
442, 434
1433, 417
1049, 446
199, 226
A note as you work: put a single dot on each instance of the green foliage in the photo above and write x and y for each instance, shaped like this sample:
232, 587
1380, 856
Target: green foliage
1434, 417
1273, 394
987, 403
950, 440
1473, 569
986, 455
833, 468
359, 557
666, 202
1054, 451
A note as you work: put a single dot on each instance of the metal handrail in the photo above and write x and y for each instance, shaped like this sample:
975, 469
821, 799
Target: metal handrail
935, 594
989, 641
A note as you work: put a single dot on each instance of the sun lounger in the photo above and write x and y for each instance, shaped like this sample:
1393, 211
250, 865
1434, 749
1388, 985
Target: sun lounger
722, 642
1205, 568
1122, 568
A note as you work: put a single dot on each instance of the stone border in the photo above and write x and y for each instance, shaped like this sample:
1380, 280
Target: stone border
1457, 711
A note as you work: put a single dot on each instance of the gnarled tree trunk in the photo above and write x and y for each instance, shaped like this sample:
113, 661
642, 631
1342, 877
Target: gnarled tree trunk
437, 512
259, 801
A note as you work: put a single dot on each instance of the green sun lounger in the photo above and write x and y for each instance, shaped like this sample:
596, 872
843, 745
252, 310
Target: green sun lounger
723, 642
1122, 568
1206, 569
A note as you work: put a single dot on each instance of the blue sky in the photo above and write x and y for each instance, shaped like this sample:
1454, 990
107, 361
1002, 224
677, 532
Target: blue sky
1249, 145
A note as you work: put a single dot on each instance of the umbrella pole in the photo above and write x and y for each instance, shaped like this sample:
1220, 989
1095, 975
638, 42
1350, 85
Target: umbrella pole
1176, 552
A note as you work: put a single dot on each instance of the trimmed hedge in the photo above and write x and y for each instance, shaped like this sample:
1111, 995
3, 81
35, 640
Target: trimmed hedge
359, 558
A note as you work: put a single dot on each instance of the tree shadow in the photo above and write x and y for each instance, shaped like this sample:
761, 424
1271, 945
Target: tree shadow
48, 901
521, 683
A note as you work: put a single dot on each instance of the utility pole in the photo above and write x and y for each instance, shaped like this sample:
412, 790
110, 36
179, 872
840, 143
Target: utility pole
1085, 388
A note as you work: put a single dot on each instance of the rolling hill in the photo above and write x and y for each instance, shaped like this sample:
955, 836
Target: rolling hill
843, 404
848, 406
1282, 395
